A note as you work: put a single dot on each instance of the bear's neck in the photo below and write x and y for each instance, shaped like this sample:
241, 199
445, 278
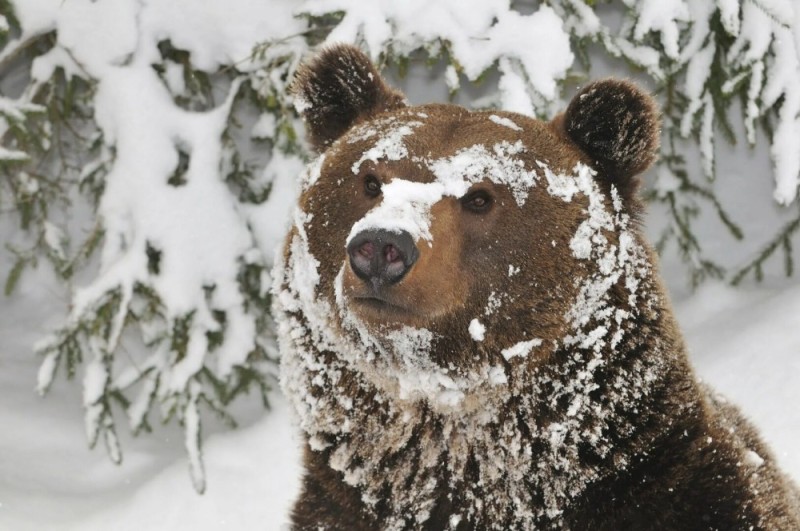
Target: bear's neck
523, 458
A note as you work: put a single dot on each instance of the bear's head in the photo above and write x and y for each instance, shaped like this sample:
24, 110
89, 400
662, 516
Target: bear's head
436, 251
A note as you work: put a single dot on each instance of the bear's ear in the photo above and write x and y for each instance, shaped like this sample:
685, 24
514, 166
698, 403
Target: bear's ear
618, 126
337, 88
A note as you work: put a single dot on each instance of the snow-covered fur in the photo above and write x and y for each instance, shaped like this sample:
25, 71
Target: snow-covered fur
508, 360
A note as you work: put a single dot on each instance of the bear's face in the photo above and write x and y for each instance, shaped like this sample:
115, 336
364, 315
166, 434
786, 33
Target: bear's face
430, 217
457, 241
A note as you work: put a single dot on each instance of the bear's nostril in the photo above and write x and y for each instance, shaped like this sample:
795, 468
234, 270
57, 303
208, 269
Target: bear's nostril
382, 257
367, 250
391, 253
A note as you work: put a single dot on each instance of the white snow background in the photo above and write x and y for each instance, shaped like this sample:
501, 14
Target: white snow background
744, 341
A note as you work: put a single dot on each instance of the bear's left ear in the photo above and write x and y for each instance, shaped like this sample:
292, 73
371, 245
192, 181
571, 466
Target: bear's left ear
618, 126
337, 88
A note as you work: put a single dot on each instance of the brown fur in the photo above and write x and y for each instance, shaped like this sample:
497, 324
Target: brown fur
587, 431
619, 128
353, 90
439, 292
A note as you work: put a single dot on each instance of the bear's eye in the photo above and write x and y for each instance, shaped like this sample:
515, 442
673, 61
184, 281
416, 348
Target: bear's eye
372, 186
478, 201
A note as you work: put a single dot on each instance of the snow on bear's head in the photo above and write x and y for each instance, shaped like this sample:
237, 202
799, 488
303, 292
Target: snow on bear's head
436, 250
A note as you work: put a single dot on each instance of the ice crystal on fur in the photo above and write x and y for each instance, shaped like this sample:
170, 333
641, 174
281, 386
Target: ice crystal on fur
405, 207
476, 330
499, 165
389, 145
521, 349
505, 122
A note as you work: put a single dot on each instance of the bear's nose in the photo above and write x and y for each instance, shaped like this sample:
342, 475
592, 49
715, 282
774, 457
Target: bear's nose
382, 257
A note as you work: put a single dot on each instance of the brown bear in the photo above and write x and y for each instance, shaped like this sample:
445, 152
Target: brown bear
473, 330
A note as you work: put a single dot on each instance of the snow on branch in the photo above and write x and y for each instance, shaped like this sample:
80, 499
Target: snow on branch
179, 263
475, 36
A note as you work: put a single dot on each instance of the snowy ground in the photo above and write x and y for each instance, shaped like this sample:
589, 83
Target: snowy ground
49, 480
745, 342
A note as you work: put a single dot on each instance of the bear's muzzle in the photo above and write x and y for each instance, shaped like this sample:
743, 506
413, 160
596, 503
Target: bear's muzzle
382, 258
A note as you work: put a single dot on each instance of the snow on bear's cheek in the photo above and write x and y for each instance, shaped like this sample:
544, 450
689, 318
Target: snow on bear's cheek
594, 321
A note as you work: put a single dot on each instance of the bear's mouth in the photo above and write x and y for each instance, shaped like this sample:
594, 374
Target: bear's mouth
379, 304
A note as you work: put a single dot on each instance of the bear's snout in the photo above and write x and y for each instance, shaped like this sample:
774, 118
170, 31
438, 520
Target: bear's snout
381, 257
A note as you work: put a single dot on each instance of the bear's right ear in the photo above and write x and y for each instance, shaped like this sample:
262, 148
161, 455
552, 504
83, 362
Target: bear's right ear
337, 88
617, 124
